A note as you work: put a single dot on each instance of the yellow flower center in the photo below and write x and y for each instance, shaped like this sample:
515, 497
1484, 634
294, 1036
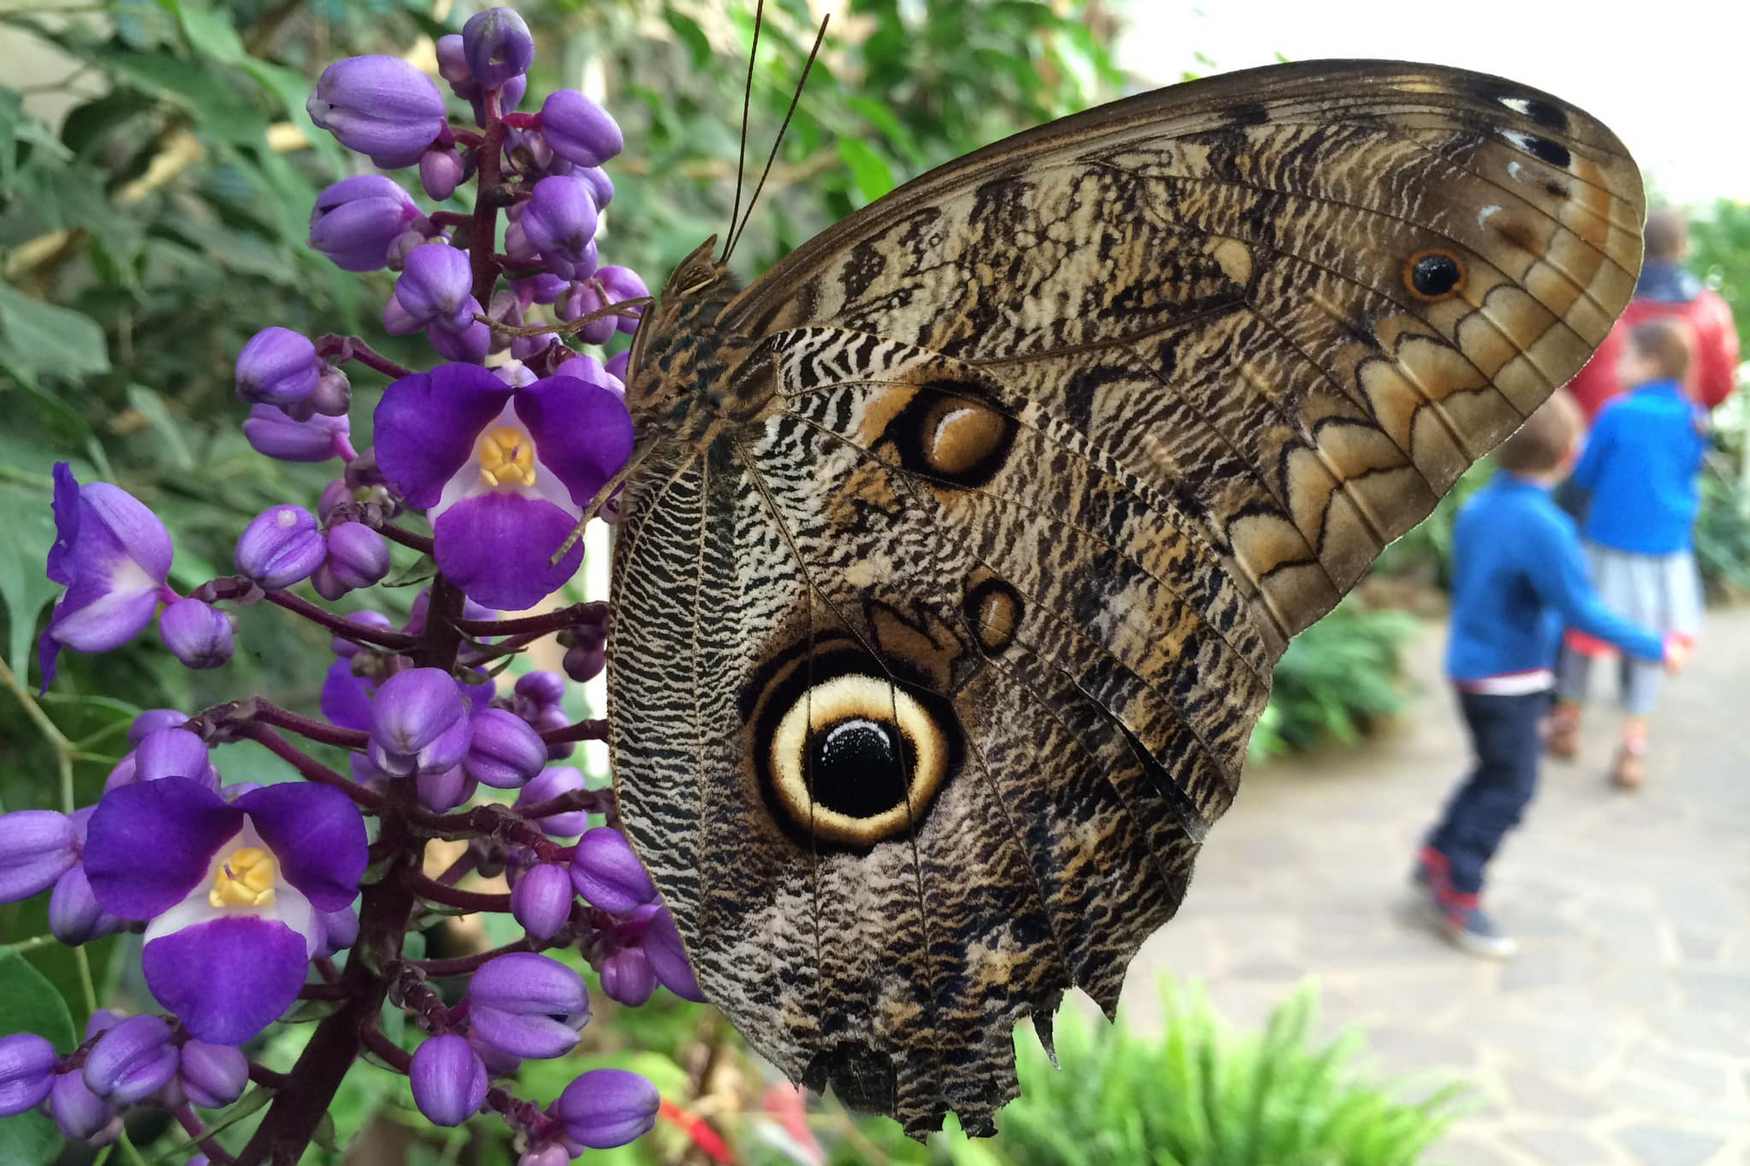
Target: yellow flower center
507, 457
245, 879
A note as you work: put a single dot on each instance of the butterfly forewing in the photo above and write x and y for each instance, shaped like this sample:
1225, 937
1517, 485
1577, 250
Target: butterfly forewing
936, 653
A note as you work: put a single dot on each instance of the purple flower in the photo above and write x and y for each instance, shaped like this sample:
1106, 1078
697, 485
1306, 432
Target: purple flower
505, 752
605, 1108
173, 752
276, 434
340, 930
559, 221
196, 633
435, 287
152, 720
668, 958
212, 1076
606, 872
503, 474
543, 288
357, 557
113, 556
601, 187
36, 848
550, 783
27, 1065
584, 659
497, 46
280, 547
442, 791
469, 344
621, 284
75, 916
230, 890
80, 1113
579, 130
527, 1005
356, 219
539, 688
333, 395
440, 172
378, 105
541, 900
448, 1080
452, 61
278, 366
627, 976
419, 723
131, 1060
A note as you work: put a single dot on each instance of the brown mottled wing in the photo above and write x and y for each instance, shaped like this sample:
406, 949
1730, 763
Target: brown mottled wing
927, 683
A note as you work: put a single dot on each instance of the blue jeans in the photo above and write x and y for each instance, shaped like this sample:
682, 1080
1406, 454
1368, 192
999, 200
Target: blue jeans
1505, 737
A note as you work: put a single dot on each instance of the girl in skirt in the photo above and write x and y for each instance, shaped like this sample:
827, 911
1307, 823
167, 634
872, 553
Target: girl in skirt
1641, 473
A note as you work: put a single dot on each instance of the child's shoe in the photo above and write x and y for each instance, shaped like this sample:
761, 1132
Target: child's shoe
1470, 930
1429, 875
1629, 770
1561, 738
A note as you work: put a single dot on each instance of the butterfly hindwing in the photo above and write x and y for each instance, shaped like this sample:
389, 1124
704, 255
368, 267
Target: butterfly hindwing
941, 628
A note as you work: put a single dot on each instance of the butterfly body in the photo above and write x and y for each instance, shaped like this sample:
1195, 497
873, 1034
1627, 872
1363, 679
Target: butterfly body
949, 589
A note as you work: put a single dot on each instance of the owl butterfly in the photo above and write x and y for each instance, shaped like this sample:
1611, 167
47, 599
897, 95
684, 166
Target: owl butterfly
961, 544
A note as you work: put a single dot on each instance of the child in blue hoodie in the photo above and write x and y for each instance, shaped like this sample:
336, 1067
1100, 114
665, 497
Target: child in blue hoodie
1518, 578
1641, 472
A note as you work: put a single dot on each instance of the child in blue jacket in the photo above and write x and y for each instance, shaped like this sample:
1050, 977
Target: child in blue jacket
1641, 473
1519, 578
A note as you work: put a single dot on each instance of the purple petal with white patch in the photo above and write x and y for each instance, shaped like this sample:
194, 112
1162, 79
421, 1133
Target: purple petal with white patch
318, 836
149, 844
497, 547
582, 432
426, 426
228, 979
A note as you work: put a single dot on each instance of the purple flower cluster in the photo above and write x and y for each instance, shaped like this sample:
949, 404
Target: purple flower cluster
250, 898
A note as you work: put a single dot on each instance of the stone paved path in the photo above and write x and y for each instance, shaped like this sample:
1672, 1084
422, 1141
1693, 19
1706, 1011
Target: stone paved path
1621, 1033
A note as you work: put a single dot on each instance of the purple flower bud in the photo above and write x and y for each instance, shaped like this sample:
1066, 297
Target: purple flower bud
357, 555
212, 1076
345, 648
516, 242
627, 976
606, 872
397, 320
528, 1005
497, 45
74, 915
440, 172
378, 105
275, 434
151, 720
578, 129
435, 286
584, 367
546, 1154
668, 959
585, 298
505, 752
448, 1080
619, 364
452, 62
27, 1064
622, 284
80, 1113
131, 1061
605, 1108
470, 345
543, 288
174, 753
443, 792
601, 187
340, 929
541, 900
541, 688
551, 719
36, 848
277, 367
404, 245
280, 547
516, 374
356, 219
510, 95
196, 633
560, 220
333, 395
550, 783
584, 662
419, 723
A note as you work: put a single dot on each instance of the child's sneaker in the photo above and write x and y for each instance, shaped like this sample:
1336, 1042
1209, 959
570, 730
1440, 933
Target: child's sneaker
1630, 770
1561, 735
1469, 929
1429, 874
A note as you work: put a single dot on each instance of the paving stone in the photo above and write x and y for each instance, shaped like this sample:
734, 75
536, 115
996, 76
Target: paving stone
1465, 1150
1657, 1145
1531, 1091
1563, 1145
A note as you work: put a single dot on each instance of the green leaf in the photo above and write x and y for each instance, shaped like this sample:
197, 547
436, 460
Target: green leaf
24, 588
869, 170
210, 32
38, 338
29, 1003
151, 406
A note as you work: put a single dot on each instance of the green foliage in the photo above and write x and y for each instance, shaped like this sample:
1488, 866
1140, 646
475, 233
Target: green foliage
1424, 552
1719, 250
29, 1003
1199, 1094
1722, 534
1336, 681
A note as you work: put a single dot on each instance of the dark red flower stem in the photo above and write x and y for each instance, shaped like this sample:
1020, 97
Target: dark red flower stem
463, 964
272, 714
449, 218
595, 730
551, 621
483, 232
209, 1145
341, 626
309, 768
406, 538
344, 348
593, 800
392, 1054
267, 1078
432, 890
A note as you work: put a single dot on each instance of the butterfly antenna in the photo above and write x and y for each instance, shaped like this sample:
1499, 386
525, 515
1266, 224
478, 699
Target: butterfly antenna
753, 53
795, 99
